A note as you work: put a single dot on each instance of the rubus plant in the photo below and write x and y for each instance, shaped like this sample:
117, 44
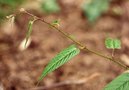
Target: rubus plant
120, 83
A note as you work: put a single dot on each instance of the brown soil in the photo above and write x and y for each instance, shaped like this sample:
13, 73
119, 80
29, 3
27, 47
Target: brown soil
19, 70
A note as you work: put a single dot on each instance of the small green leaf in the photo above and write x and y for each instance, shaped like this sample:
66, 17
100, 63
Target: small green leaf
117, 44
112, 43
56, 23
30, 24
94, 8
120, 83
50, 6
60, 59
109, 43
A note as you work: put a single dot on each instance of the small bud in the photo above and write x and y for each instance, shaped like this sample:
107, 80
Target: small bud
82, 47
22, 46
22, 10
56, 23
7, 17
10, 16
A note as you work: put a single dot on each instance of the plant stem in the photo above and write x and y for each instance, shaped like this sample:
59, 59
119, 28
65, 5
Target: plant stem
82, 46
113, 51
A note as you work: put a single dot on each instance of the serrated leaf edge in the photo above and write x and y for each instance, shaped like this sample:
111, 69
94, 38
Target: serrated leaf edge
75, 50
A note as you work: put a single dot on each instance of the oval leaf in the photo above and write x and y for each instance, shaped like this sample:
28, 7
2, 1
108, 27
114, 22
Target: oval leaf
60, 59
120, 83
117, 44
109, 43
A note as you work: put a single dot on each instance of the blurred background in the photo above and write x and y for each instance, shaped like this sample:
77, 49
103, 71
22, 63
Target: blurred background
89, 21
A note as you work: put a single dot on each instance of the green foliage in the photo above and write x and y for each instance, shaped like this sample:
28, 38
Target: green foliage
8, 6
12, 3
60, 59
120, 83
112, 43
94, 8
50, 6
30, 24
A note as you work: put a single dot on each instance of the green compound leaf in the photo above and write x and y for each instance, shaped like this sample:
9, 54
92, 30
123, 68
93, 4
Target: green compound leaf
120, 83
112, 43
50, 6
30, 24
60, 59
94, 8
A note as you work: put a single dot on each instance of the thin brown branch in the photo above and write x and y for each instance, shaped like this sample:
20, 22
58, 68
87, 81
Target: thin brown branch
82, 46
78, 43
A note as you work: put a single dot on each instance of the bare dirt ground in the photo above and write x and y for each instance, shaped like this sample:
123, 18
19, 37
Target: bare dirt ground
19, 70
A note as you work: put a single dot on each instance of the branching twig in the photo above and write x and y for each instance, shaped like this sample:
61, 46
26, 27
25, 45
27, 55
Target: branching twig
78, 43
